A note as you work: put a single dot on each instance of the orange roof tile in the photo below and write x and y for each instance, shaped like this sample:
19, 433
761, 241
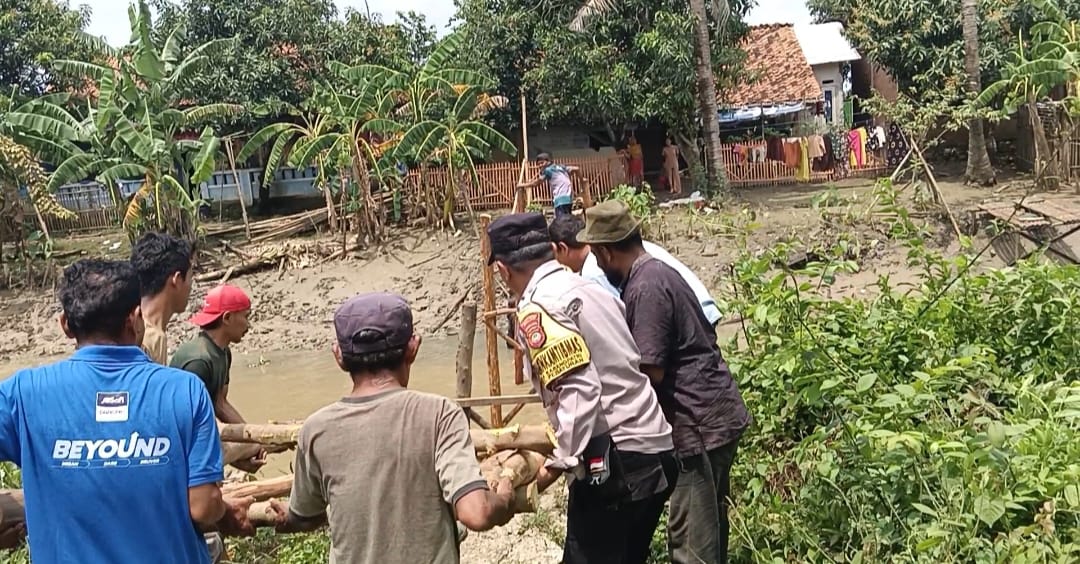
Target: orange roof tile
776, 70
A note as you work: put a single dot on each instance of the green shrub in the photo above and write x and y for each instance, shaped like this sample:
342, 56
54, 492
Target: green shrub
933, 423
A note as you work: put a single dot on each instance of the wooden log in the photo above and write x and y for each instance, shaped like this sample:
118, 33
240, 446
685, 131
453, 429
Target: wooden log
241, 268
492, 339
262, 434
527, 437
261, 490
521, 465
466, 340
261, 515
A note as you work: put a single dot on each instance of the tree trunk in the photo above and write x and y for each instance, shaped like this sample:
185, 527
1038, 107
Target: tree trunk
707, 105
688, 149
979, 170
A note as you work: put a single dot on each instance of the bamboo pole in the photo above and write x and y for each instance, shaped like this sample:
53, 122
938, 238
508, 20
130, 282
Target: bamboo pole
261, 490
267, 434
492, 339
466, 340
239, 192
521, 196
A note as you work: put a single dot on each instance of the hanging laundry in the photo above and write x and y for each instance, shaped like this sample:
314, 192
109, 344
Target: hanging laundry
791, 152
876, 139
897, 147
827, 161
815, 146
863, 136
855, 152
740, 153
841, 154
802, 172
774, 149
758, 154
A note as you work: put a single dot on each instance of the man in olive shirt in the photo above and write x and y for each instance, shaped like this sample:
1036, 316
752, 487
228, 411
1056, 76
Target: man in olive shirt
224, 321
164, 266
611, 436
389, 468
680, 355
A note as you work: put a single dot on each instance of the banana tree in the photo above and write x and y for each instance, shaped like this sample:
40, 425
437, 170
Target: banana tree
139, 127
458, 140
288, 134
1051, 61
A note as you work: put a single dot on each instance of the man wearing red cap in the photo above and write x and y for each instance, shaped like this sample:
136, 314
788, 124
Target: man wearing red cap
224, 321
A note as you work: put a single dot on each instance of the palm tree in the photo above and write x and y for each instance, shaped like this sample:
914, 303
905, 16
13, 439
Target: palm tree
979, 170
708, 110
139, 126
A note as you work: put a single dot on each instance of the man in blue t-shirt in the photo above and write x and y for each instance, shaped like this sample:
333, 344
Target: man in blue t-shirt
558, 178
120, 457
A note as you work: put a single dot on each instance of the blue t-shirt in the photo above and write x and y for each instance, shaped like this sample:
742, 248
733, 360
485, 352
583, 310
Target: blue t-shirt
109, 444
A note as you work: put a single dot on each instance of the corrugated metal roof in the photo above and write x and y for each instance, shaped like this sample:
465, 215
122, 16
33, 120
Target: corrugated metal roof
825, 43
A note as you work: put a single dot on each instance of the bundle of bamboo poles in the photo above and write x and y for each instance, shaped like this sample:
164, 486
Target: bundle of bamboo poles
515, 452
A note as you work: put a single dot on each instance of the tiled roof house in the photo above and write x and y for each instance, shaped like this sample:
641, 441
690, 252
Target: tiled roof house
777, 71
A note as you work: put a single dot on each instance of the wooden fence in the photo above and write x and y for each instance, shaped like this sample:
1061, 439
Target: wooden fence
498, 181
774, 173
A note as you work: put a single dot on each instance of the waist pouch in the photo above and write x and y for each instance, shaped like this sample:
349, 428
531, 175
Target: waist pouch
605, 477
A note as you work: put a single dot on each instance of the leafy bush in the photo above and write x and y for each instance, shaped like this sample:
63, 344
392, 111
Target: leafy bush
936, 423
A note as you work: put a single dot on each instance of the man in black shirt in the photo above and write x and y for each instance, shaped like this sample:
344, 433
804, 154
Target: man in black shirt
697, 393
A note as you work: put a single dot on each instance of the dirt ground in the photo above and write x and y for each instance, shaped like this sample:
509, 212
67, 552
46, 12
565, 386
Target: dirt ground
293, 307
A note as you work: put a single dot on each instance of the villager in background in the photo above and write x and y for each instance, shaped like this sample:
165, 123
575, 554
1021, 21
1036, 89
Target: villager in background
671, 166
611, 436
108, 441
637, 161
559, 181
680, 355
223, 321
164, 266
577, 256
389, 468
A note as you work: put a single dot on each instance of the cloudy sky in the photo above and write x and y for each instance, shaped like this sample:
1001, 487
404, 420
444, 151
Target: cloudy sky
110, 16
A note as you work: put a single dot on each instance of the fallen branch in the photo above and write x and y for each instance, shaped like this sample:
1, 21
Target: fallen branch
242, 268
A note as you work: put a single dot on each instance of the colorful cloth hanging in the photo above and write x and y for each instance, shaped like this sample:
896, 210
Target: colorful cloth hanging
897, 146
841, 153
802, 173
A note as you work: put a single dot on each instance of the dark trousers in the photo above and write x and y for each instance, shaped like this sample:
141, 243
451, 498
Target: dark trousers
698, 518
567, 209
619, 533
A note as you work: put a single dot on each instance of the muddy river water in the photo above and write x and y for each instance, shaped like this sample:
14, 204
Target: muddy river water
284, 386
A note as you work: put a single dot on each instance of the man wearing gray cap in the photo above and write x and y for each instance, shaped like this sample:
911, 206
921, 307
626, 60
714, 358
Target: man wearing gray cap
390, 469
611, 436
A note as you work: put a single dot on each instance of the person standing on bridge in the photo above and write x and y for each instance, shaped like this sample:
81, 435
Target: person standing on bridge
389, 468
611, 436
223, 321
578, 256
109, 441
680, 355
164, 266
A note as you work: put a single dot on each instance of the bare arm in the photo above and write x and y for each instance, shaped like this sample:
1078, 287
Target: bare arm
206, 505
225, 411
292, 523
571, 169
531, 183
481, 510
655, 373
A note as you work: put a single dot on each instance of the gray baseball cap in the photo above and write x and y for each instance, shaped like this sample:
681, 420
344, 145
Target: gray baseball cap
371, 323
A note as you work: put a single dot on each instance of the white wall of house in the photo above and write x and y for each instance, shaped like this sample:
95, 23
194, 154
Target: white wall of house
831, 79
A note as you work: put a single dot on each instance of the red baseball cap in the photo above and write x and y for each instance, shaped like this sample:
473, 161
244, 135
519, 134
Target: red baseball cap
219, 301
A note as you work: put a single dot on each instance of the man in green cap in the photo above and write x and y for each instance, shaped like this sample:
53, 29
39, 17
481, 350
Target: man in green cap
611, 437
696, 391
